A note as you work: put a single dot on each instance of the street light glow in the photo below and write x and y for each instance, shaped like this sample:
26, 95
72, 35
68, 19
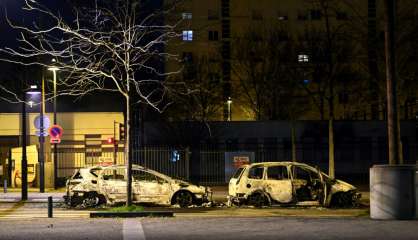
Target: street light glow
53, 69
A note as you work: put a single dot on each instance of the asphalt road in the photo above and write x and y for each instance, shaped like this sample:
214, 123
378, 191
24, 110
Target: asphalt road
209, 228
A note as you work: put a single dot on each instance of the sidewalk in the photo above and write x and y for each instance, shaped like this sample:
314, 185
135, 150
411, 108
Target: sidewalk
13, 195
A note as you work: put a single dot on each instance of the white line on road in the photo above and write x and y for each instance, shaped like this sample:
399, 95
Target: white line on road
132, 230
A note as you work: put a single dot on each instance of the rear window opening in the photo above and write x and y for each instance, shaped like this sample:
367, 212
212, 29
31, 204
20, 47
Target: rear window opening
77, 175
238, 172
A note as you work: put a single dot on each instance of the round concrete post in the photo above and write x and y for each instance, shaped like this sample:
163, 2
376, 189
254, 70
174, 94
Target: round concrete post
392, 192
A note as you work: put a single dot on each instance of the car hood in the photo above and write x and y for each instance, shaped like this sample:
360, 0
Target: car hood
340, 185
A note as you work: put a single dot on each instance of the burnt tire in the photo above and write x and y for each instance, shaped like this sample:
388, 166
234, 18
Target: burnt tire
183, 199
258, 199
342, 200
92, 199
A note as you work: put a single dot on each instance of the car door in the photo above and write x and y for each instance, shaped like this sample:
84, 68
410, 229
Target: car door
255, 179
112, 183
278, 184
307, 183
146, 187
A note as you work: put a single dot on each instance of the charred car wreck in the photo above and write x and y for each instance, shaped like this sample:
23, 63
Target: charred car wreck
98, 185
288, 183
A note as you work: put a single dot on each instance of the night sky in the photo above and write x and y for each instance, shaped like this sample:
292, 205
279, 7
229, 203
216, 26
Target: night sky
93, 102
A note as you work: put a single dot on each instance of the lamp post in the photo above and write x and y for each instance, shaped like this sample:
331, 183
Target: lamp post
24, 164
229, 102
34, 94
54, 70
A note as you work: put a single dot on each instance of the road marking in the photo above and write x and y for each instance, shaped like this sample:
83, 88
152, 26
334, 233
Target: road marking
132, 230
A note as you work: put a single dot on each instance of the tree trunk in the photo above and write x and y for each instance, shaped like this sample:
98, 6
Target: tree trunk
331, 164
391, 88
293, 132
128, 153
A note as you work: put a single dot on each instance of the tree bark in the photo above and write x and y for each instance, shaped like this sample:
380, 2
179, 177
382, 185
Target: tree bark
293, 130
391, 87
128, 153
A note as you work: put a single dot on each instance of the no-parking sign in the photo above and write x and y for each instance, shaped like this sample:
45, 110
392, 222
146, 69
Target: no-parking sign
55, 131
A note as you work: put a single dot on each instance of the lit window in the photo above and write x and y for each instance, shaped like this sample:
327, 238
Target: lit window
187, 35
187, 15
303, 58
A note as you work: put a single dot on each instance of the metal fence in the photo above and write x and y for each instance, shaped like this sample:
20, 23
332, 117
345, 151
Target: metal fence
206, 163
168, 160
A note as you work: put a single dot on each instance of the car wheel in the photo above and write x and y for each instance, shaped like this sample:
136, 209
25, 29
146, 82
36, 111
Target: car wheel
184, 199
91, 200
342, 200
258, 200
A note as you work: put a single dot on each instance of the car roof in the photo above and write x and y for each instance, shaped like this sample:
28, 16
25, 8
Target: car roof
283, 163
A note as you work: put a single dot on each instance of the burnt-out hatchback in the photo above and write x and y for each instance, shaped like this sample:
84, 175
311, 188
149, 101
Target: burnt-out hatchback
288, 183
81, 188
148, 186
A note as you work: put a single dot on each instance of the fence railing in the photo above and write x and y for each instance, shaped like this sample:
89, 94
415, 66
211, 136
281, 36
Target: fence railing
208, 162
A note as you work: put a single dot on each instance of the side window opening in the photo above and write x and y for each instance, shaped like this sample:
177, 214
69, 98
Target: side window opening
114, 174
277, 173
143, 176
256, 173
300, 173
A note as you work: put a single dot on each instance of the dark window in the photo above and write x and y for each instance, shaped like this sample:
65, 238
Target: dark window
213, 36
143, 176
303, 15
256, 173
300, 173
277, 173
316, 14
213, 15
257, 15
238, 172
341, 15
188, 57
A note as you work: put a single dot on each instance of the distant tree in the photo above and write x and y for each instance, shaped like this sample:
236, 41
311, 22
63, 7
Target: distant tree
108, 46
261, 61
332, 63
202, 100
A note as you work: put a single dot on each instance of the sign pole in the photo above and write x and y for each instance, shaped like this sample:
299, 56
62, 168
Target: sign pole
41, 141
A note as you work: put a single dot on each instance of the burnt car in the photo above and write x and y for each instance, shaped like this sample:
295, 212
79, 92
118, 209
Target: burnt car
288, 183
81, 188
108, 185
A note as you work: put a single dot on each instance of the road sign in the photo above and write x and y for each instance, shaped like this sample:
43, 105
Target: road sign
55, 131
44, 133
37, 122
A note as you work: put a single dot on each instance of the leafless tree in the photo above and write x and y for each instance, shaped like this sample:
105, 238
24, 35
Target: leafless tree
202, 100
110, 46
332, 62
261, 61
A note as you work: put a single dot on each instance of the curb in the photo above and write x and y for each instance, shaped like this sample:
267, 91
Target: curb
131, 214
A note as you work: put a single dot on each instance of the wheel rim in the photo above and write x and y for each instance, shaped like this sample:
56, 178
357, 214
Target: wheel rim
91, 201
257, 200
184, 199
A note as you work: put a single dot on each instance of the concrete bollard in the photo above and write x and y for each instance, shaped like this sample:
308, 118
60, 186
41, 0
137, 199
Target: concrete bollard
5, 186
392, 192
50, 207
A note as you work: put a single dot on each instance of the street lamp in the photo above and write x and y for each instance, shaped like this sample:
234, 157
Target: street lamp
34, 93
54, 70
229, 102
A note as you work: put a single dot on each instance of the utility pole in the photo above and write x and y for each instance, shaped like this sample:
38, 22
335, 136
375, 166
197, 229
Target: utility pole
391, 86
42, 138
24, 165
